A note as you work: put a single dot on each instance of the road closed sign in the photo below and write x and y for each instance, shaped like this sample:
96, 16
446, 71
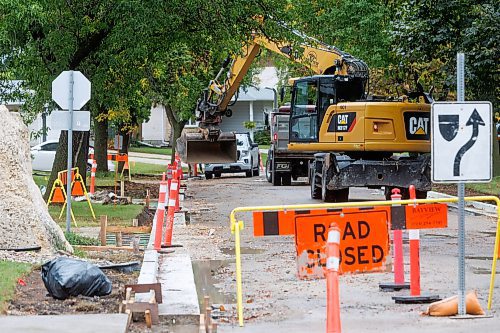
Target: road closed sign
364, 241
461, 142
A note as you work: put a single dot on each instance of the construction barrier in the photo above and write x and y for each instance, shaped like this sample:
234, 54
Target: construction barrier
414, 236
332, 280
172, 197
178, 164
58, 195
121, 157
62, 175
415, 216
77, 190
170, 170
160, 214
398, 257
92, 177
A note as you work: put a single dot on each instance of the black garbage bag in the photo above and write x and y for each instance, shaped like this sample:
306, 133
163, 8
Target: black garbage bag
65, 277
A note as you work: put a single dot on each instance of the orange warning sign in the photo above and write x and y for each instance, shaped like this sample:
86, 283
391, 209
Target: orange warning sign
364, 241
423, 216
77, 188
57, 195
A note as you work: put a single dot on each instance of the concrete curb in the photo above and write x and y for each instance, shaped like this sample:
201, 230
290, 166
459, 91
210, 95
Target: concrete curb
175, 272
470, 206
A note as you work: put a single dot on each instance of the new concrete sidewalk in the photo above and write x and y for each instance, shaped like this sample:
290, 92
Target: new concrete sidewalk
175, 273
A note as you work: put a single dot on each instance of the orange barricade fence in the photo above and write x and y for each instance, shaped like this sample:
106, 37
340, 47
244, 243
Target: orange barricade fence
364, 231
121, 157
63, 175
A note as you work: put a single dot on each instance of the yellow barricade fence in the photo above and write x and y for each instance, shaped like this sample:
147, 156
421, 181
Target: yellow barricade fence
237, 226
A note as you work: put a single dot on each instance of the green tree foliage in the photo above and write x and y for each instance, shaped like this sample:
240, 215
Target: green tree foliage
427, 35
358, 27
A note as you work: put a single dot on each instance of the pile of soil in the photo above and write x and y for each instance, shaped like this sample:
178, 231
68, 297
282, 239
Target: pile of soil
33, 298
146, 217
135, 190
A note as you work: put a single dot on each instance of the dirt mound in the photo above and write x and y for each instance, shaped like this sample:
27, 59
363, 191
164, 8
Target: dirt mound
24, 219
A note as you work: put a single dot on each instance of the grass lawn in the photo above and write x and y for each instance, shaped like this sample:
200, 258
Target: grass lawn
151, 150
146, 168
266, 147
9, 273
117, 214
492, 188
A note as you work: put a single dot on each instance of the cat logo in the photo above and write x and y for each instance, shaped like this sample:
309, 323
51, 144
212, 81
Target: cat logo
417, 125
343, 118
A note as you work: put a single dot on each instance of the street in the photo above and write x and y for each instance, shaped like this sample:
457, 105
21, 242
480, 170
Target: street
276, 301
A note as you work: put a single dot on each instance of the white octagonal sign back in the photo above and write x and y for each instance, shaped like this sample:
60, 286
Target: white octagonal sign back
81, 90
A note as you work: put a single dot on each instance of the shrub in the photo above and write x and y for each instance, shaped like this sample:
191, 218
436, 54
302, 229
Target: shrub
262, 137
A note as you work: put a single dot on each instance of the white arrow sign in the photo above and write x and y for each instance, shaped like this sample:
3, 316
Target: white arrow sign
81, 90
461, 142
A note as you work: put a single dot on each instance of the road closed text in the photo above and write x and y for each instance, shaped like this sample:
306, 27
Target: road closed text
364, 242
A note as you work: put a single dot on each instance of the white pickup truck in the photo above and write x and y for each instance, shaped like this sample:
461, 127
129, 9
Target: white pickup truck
248, 159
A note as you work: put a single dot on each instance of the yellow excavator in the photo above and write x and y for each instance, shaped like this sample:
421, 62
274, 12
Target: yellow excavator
357, 140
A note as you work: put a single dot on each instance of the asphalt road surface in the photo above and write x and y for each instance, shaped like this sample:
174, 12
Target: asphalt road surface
275, 300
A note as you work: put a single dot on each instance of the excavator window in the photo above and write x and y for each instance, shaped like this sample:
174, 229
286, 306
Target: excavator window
304, 111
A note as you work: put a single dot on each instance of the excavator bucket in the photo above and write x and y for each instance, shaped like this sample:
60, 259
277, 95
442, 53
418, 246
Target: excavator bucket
194, 148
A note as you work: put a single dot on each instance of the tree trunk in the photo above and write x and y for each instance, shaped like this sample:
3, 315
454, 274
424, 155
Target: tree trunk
177, 126
124, 149
101, 144
80, 156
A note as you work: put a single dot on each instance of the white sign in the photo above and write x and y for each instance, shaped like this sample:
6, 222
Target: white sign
81, 90
60, 120
461, 142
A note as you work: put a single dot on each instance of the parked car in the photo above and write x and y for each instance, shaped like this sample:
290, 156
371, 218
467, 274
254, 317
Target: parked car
43, 155
248, 159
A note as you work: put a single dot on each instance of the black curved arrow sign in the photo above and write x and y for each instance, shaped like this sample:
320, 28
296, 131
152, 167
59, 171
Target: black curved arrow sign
475, 120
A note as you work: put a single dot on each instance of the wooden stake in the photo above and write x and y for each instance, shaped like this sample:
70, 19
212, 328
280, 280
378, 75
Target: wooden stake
122, 188
104, 225
135, 244
147, 316
147, 198
119, 239
208, 321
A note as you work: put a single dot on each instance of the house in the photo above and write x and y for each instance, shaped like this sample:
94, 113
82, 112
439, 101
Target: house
253, 104
157, 129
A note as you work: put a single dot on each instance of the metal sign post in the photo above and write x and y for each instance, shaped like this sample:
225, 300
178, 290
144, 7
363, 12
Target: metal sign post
461, 153
63, 93
461, 205
70, 152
